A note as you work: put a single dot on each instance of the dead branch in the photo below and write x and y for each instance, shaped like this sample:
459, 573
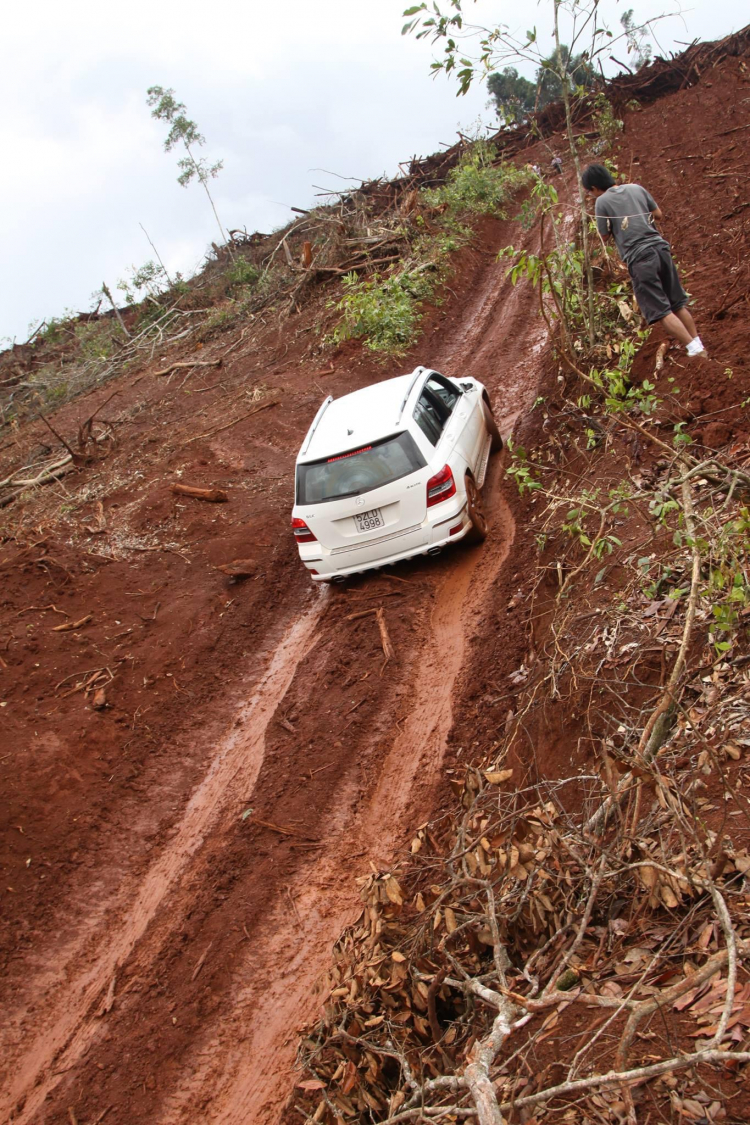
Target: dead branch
181, 364
200, 962
628, 1077
212, 495
385, 639
660, 354
655, 731
120, 321
63, 442
228, 425
68, 626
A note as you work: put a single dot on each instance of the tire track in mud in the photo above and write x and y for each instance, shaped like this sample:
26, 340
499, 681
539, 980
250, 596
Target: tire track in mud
234, 767
248, 1081
236, 1067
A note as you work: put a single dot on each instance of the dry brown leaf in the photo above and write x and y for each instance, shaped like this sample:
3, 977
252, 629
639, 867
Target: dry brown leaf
393, 890
497, 777
396, 956
648, 876
668, 897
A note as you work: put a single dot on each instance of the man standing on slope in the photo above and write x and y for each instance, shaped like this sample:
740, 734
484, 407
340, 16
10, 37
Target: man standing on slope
627, 212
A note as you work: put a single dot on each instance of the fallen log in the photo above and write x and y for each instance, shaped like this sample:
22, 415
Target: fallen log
212, 495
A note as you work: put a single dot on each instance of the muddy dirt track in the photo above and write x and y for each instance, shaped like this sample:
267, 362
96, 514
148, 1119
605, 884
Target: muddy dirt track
177, 951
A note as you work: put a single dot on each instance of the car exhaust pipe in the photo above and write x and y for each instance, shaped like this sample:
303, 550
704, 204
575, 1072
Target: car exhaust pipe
435, 551
339, 578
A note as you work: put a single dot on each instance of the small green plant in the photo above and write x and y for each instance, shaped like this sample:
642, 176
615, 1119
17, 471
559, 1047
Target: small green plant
146, 280
728, 586
621, 395
219, 319
241, 274
385, 310
607, 125
55, 330
681, 439
521, 470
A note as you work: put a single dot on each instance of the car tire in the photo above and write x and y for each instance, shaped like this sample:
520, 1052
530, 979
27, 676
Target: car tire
477, 533
491, 425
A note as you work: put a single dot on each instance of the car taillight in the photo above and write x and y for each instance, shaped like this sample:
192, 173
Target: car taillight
441, 486
302, 532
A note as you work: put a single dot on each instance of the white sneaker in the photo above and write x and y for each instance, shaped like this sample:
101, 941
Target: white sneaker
695, 347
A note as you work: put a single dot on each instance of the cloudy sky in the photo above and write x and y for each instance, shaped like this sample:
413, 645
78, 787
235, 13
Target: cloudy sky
280, 90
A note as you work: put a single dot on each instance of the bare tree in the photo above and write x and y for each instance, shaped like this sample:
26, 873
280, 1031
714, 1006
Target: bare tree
182, 131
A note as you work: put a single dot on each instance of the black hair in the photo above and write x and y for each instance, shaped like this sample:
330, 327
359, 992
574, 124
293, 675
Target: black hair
597, 176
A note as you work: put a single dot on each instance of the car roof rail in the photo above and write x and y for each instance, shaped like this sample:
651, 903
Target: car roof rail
418, 372
316, 422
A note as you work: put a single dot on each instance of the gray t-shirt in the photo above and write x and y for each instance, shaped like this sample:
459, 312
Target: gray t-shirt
625, 212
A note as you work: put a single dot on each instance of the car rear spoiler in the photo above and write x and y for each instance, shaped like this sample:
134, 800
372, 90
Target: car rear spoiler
316, 422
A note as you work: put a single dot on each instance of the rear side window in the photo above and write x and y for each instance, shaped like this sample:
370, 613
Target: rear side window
431, 414
358, 470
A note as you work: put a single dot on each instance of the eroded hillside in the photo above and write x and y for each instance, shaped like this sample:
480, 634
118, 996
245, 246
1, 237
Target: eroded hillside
201, 772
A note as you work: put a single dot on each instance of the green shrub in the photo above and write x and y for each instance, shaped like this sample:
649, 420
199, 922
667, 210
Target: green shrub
241, 273
383, 310
54, 330
608, 126
477, 186
97, 338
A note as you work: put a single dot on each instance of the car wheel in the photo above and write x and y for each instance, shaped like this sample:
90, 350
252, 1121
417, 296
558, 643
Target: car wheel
478, 531
491, 425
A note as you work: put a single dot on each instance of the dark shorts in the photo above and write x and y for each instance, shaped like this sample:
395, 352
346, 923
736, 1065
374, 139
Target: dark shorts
657, 287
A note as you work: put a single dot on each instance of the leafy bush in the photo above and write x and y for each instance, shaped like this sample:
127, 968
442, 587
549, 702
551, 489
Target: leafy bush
476, 186
241, 273
148, 280
383, 310
97, 338
54, 330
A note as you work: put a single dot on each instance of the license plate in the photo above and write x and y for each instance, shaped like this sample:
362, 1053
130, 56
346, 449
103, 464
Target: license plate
368, 521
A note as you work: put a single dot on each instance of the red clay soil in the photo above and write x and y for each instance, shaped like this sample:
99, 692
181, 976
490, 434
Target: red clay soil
177, 864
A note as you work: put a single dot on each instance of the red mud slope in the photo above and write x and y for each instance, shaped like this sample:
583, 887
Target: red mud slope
177, 864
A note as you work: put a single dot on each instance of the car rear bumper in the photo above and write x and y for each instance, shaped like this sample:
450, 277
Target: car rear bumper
325, 565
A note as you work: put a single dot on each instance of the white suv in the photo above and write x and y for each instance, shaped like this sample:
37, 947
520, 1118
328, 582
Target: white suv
391, 471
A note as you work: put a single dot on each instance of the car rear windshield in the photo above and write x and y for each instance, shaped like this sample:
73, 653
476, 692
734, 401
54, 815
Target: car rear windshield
358, 470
